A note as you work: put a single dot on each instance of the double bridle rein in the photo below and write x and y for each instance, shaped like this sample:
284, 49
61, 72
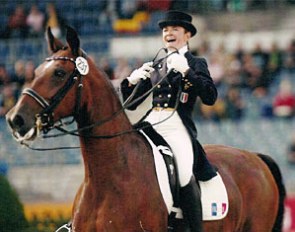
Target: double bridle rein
45, 119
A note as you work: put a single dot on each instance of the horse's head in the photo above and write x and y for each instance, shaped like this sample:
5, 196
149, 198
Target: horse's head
56, 83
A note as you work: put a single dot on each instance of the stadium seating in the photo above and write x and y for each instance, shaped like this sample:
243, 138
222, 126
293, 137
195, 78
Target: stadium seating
254, 133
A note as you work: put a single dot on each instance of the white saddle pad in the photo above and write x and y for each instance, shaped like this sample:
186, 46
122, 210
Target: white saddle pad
214, 199
214, 196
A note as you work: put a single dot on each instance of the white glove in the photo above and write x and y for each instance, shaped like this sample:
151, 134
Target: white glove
178, 62
142, 73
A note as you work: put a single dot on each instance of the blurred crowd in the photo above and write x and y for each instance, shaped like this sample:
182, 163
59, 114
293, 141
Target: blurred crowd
265, 78
11, 83
23, 23
260, 76
27, 19
242, 77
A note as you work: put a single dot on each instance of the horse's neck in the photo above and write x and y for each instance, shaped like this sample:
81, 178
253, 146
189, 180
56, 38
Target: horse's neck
101, 155
102, 103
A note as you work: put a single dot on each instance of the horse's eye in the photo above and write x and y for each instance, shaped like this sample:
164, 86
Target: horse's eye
59, 73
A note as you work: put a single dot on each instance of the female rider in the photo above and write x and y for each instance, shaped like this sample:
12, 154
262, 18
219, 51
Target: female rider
188, 78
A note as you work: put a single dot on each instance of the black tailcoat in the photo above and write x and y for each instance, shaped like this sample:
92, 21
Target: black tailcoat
196, 83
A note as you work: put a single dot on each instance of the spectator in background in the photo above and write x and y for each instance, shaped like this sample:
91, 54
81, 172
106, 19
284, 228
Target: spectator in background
204, 50
216, 68
17, 26
214, 113
122, 69
291, 151
234, 104
233, 72
260, 57
236, 5
108, 14
251, 72
18, 74
126, 8
7, 100
35, 22
29, 73
289, 59
284, 100
4, 76
107, 68
239, 52
163, 5
260, 60
275, 61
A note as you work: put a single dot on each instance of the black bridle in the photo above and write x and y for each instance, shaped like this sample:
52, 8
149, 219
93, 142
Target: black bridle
45, 118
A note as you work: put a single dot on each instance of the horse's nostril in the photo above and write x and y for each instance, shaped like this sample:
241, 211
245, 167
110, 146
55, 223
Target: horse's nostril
17, 121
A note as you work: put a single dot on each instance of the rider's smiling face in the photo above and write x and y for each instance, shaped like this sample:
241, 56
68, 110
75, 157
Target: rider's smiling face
175, 36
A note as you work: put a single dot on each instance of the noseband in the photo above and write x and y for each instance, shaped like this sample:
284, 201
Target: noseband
44, 120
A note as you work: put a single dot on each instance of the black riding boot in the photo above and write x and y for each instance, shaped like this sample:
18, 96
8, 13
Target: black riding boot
190, 203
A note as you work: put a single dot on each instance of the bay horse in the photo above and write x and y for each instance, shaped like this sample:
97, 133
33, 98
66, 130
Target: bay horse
120, 191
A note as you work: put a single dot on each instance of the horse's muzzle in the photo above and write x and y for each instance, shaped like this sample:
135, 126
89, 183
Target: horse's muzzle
20, 128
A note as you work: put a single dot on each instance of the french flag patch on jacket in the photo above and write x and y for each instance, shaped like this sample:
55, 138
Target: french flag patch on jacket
183, 97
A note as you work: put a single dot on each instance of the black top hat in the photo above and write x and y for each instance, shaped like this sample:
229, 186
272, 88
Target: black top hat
178, 18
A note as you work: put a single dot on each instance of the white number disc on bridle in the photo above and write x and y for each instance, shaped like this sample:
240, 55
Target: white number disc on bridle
82, 65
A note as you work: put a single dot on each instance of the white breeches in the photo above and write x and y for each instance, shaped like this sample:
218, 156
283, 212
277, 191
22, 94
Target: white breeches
175, 133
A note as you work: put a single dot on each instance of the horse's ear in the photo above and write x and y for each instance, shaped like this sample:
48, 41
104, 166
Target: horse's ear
53, 43
73, 40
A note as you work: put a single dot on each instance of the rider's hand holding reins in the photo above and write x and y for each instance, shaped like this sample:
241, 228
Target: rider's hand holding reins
142, 73
178, 62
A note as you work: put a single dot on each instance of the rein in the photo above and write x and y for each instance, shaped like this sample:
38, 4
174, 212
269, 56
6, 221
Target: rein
45, 118
126, 104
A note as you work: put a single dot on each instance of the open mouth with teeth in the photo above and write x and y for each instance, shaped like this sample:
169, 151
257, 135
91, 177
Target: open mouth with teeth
171, 40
